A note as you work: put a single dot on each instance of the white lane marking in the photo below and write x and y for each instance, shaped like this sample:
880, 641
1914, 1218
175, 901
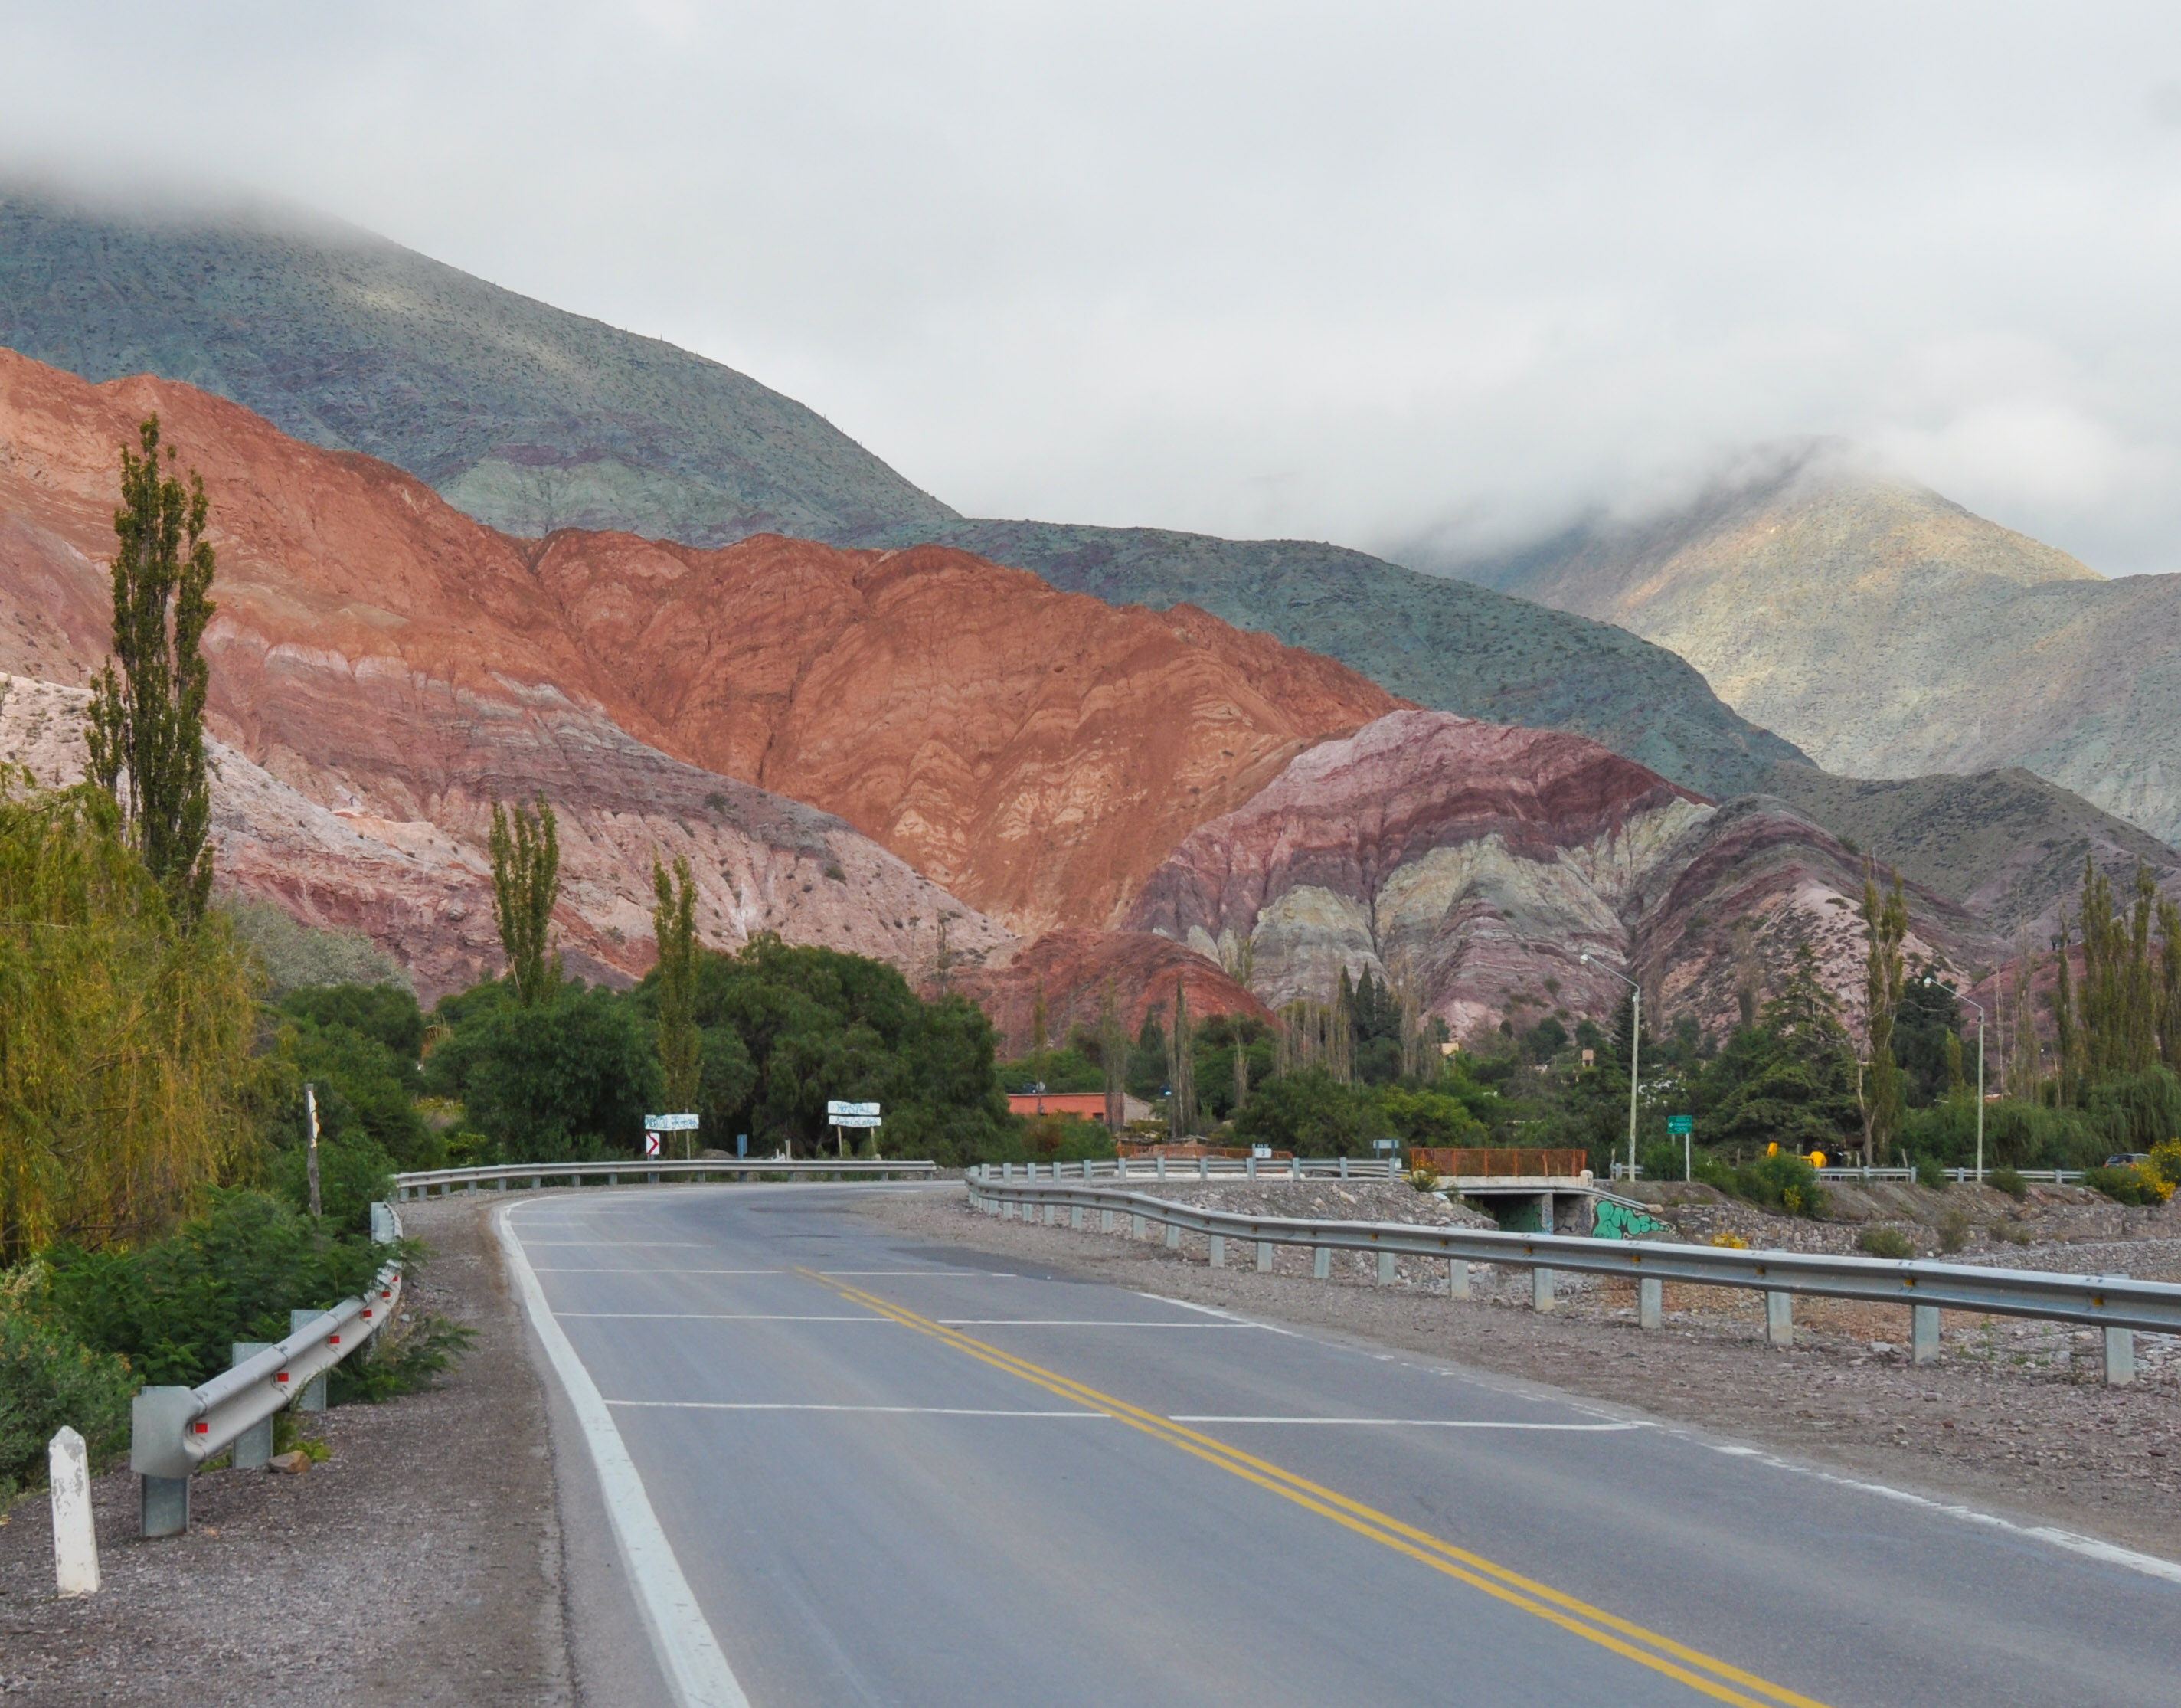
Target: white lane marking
940, 1274
1078, 1323
697, 1673
801, 1406
2110, 1554
1422, 1424
1234, 1317
682, 1245
587, 1270
716, 1317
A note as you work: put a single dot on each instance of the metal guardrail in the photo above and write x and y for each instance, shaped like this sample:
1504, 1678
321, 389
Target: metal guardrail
2114, 1303
1209, 1168
2050, 1177
419, 1184
173, 1430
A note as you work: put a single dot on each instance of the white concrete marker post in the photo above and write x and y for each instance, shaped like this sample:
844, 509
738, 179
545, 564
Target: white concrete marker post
75, 1540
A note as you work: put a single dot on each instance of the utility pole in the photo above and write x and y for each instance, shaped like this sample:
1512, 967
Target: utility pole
1635, 1050
1978, 1006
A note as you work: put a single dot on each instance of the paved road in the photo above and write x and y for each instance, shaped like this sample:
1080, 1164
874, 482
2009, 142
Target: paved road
893, 1472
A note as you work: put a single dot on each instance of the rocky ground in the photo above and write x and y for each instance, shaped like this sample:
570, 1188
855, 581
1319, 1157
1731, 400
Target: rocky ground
2013, 1419
419, 1563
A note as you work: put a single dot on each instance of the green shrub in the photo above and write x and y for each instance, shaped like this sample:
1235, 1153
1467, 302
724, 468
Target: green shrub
402, 1358
2127, 1186
173, 1308
1953, 1227
1931, 1172
2009, 1181
1780, 1181
1885, 1242
353, 1175
48, 1378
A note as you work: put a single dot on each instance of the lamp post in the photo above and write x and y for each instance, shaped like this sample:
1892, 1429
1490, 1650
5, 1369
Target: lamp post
1978, 1006
1635, 1048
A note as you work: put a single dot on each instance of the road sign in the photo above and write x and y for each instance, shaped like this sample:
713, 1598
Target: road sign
1385, 1144
651, 1144
669, 1124
1678, 1125
835, 1109
852, 1120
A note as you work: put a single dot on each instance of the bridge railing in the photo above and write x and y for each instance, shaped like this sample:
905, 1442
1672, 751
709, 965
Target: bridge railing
2114, 1303
426, 1183
173, 1430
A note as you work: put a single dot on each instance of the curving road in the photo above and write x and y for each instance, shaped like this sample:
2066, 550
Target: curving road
880, 1472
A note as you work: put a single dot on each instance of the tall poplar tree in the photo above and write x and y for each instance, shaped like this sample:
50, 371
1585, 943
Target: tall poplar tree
146, 734
674, 924
525, 883
1886, 919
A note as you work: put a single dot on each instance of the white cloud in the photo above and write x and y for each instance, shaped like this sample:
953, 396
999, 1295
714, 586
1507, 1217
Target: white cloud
1382, 274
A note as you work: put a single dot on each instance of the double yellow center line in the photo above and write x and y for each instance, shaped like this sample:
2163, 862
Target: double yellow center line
1700, 1672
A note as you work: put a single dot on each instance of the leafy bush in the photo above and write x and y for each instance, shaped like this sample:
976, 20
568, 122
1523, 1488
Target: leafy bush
295, 955
2133, 1184
1885, 1242
1308, 1112
2009, 1181
1953, 1227
1781, 1181
173, 1307
403, 1358
48, 1378
353, 1175
386, 1013
1931, 1172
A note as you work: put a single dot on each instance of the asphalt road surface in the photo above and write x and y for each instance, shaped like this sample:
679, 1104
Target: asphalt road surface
890, 1473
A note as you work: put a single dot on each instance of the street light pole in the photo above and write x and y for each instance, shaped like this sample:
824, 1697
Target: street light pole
1635, 1052
1978, 1006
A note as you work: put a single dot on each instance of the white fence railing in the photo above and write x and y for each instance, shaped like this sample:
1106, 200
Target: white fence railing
650, 1171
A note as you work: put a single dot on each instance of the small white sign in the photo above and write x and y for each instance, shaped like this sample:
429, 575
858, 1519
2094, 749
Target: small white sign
669, 1124
836, 1108
651, 1144
1262, 1152
853, 1121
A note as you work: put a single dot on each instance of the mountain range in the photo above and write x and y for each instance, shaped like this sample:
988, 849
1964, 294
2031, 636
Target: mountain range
474, 547
1889, 633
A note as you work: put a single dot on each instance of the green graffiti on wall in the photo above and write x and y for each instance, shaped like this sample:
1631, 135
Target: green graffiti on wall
1619, 1222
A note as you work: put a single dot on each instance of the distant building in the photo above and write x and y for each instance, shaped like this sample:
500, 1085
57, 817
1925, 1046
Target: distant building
1090, 1106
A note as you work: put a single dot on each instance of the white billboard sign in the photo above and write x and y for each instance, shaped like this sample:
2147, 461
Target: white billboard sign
669, 1124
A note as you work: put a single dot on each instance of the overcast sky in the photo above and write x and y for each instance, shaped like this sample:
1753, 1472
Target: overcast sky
1396, 275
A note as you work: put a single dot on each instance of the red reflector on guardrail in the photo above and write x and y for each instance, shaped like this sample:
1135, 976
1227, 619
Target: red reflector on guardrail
203, 1427
333, 1339
280, 1376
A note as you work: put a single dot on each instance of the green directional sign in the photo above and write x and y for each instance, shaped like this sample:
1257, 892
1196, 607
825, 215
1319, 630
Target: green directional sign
1678, 1125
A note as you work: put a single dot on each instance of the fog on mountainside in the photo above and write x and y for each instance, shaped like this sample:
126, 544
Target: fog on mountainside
1889, 633
529, 418
532, 419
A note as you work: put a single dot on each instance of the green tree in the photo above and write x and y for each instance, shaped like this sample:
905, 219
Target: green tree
1886, 921
674, 923
146, 734
525, 883
1308, 1112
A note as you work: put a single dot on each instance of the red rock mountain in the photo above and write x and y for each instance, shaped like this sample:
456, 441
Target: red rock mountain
1481, 862
1036, 752
378, 655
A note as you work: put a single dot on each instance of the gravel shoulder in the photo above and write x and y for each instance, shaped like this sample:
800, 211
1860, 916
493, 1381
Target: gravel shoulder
420, 1563
2013, 1419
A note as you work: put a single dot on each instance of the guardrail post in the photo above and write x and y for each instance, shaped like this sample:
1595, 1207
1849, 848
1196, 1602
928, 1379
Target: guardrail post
1105, 1221
2120, 1357
1321, 1263
1219, 1253
1541, 1288
1135, 1226
1264, 1256
1249, 1166
1922, 1334
156, 1418
1075, 1217
1650, 1301
1173, 1236
1780, 1320
1052, 1214
1344, 1167
253, 1447
1457, 1278
314, 1396
1161, 1164
1385, 1269
1204, 1167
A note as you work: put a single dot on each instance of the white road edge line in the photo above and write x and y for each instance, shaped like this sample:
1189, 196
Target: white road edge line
2111, 1553
697, 1673
1423, 1423
812, 1406
710, 1316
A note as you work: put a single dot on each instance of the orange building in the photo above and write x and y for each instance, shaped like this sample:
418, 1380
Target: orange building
1090, 1106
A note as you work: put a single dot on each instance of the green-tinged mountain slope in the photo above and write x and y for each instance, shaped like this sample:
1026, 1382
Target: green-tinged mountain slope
2005, 844
1889, 633
1445, 644
528, 418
